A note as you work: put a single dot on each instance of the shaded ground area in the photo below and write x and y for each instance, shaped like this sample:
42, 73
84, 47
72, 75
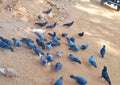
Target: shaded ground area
100, 24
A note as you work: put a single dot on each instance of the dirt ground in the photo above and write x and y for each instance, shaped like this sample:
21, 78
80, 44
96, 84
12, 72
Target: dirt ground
101, 26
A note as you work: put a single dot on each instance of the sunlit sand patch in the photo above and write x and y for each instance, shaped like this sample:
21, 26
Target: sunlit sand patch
88, 10
85, 0
41, 1
87, 33
94, 10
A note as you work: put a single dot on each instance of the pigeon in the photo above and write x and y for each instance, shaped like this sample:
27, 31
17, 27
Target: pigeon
79, 80
74, 58
74, 48
43, 60
70, 43
47, 11
39, 17
58, 67
48, 46
9, 72
6, 46
26, 40
6, 41
81, 34
38, 51
69, 24
59, 53
41, 24
52, 25
50, 57
54, 43
40, 43
30, 45
17, 43
105, 75
41, 37
64, 34
38, 30
92, 61
72, 39
84, 46
54, 36
59, 81
102, 51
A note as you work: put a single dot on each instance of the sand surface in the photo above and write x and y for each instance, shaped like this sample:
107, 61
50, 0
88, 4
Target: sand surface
101, 25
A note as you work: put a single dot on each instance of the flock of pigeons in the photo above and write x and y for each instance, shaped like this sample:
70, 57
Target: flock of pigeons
46, 59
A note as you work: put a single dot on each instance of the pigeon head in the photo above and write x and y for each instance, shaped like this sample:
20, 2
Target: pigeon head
104, 46
91, 56
71, 76
37, 39
105, 68
12, 50
61, 77
13, 38
67, 38
70, 54
47, 53
72, 21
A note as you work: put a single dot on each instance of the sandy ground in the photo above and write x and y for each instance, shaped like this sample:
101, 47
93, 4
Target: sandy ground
100, 24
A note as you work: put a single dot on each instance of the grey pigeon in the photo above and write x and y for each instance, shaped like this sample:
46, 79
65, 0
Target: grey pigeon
9, 72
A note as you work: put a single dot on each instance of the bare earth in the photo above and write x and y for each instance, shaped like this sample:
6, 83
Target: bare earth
101, 26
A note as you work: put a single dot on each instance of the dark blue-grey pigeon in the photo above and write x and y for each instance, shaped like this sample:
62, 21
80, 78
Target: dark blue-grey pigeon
58, 66
52, 25
48, 46
54, 36
81, 34
43, 60
75, 48
92, 61
79, 80
103, 51
41, 36
39, 17
30, 45
54, 43
40, 43
105, 75
70, 42
26, 40
6, 41
84, 46
74, 58
48, 11
41, 24
59, 81
38, 51
49, 57
64, 34
69, 24
17, 42
6, 46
